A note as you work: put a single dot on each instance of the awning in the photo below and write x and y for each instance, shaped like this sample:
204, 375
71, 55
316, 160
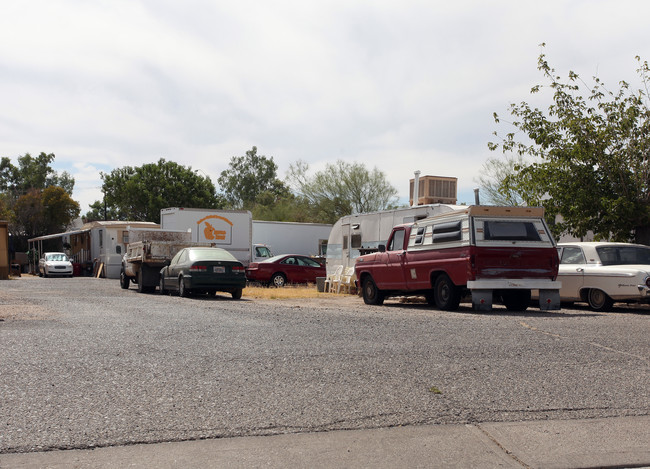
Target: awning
58, 235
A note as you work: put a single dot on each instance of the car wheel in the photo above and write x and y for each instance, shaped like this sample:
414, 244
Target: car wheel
236, 294
516, 300
446, 294
182, 291
599, 300
278, 280
161, 286
371, 294
124, 280
40, 274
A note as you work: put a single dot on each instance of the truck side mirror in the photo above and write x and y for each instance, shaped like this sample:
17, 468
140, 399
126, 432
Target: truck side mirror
381, 248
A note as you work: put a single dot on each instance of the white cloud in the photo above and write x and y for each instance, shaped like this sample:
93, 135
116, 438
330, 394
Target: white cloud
400, 86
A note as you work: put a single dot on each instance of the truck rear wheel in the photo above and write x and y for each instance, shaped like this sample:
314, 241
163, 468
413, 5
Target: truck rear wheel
516, 300
446, 294
141, 288
237, 293
371, 294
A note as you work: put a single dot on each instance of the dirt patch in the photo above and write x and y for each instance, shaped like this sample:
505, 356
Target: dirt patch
11, 310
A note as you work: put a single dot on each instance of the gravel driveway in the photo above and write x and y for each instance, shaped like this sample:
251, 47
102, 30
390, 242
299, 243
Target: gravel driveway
84, 363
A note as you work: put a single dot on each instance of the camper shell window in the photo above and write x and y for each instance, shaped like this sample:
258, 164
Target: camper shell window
510, 231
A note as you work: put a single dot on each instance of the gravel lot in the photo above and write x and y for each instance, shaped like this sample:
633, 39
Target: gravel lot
84, 363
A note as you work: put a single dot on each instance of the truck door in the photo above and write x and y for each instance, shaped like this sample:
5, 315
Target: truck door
392, 277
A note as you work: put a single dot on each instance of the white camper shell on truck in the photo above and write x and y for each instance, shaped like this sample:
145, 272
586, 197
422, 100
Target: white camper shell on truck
231, 230
362, 233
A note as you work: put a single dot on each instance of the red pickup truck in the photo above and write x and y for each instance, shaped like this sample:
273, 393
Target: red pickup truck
492, 253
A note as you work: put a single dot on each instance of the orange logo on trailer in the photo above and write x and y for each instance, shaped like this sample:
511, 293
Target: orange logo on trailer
218, 229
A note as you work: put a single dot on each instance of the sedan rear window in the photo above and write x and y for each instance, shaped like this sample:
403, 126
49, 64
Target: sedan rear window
622, 255
211, 254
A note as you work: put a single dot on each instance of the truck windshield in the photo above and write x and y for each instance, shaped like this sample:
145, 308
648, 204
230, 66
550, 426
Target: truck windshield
510, 231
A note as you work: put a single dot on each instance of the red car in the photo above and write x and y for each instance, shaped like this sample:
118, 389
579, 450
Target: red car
287, 268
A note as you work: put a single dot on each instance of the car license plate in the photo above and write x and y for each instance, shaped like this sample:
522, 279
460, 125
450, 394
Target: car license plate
219, 269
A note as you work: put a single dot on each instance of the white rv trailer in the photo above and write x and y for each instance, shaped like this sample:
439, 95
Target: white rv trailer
364, 232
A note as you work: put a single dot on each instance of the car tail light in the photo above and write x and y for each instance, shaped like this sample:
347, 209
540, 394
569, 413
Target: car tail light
238, 269
199, 268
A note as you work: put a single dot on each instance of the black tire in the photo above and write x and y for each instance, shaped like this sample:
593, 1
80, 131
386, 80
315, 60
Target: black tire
371, 294
446, 294
141, 288
516, 300
182, 291
599, 300
278, 280
124, 280
236, 294
161, 285
40, 274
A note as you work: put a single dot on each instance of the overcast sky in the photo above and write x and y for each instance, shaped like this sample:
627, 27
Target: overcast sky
398, 85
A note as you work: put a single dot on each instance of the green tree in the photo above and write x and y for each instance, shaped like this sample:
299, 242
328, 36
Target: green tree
249, 177
35, 198
341, 189
38, 213
591, 156
139, 193
32, 173
492, 181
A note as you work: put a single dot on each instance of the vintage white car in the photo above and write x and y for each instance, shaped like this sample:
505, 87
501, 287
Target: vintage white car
54, 263
600, 273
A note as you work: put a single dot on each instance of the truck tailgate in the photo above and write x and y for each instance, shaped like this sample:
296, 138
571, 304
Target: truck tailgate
521, 262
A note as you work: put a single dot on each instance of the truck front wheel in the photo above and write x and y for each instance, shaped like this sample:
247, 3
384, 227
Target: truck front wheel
371, 294
446, 294
124, 280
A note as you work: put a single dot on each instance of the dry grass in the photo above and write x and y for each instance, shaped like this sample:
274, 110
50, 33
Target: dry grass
288, 292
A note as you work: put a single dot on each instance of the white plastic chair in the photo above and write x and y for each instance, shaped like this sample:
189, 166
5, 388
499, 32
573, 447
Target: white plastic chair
347, 281
333, 279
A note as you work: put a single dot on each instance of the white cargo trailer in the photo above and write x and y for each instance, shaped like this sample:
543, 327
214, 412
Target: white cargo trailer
281, 237
231, 230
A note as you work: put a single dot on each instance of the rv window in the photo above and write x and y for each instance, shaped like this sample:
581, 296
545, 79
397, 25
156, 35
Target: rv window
345, 242
118, 249
355, 241
125, 237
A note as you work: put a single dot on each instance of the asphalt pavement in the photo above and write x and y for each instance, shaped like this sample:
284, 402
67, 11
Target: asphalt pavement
95, 376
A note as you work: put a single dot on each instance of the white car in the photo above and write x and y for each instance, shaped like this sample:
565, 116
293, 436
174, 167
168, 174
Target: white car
54, 263
600, 273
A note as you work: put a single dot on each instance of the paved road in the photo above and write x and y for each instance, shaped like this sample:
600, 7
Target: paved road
84, 364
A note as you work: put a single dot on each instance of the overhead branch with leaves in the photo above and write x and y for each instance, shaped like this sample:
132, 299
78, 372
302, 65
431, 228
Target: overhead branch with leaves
591, 155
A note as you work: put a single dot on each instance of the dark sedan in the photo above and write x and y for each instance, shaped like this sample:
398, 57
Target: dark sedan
203, 270
287, 268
